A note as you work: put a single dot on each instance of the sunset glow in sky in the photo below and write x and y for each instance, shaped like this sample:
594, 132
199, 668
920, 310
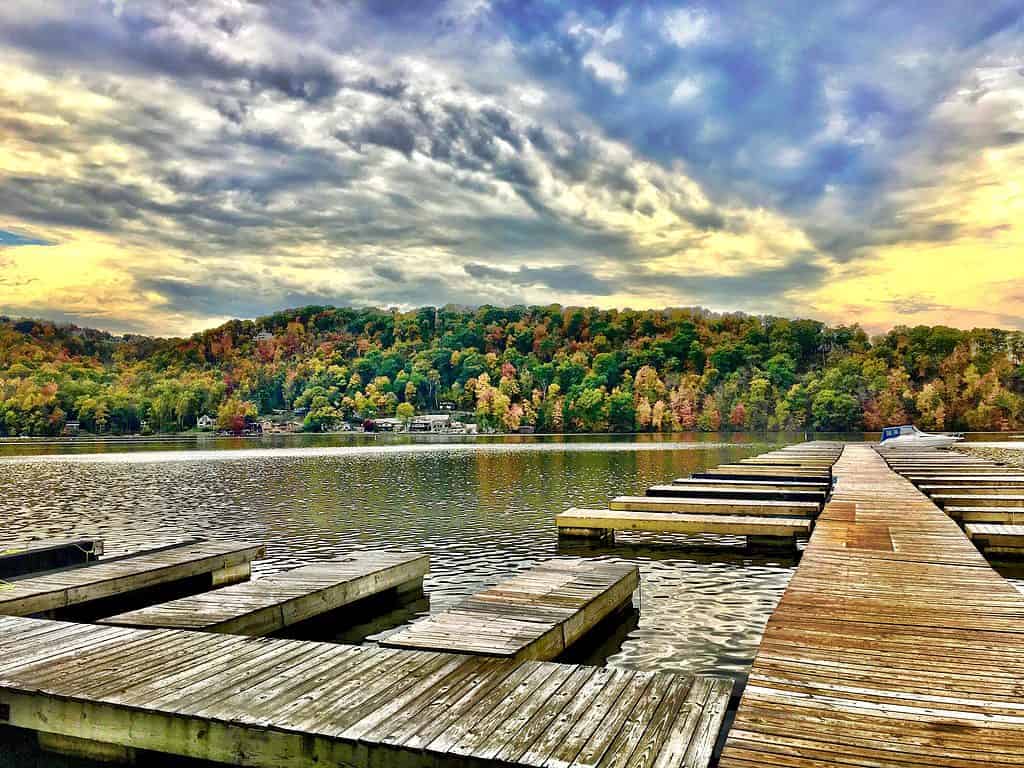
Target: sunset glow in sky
166, 164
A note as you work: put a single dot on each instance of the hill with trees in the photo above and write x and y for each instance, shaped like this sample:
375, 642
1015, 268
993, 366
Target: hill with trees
558, 369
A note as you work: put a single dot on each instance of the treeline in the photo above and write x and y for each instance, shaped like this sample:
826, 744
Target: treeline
553, 368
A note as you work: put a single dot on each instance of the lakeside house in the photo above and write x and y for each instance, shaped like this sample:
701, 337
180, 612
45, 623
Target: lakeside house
272, 427
206, 422
431, 422
71, 429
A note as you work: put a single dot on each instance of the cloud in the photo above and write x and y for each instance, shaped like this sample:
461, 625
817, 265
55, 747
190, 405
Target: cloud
565, 278
207, 159
606, 70
686, 90
686, 26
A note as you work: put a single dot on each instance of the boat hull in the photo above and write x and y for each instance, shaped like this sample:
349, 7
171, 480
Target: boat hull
921, 441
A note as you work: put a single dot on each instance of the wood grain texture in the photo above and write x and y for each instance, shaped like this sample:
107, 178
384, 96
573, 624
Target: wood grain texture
107, 578
275, 602
535, 615
895, 643
270, 702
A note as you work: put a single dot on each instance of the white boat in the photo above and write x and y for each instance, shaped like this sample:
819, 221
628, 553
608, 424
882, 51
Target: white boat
909, 436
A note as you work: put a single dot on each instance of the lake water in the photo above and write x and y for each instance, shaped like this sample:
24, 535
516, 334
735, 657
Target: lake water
481, 508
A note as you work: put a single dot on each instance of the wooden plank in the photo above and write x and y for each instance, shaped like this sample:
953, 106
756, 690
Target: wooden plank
107, 578
755, 492
776, 485
894, 644
275, 602
669, 522
716, 506
266, 702
535, 615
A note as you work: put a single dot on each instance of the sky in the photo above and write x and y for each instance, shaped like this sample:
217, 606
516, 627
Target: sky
166, 165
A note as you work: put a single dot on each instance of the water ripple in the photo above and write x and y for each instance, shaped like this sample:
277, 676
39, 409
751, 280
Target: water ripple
482, 510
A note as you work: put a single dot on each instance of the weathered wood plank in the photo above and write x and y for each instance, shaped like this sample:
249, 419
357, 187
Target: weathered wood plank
535, 615
270, 604
894, 644
104, 579
670, 522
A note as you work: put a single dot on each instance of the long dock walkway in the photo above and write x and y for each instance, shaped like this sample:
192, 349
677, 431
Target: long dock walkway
534, 615
268, 702
895, 643
275, 602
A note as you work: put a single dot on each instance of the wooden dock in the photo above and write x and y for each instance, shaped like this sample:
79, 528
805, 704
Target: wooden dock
18, 558
214, 563
770, 485
275, 602
269, 702
997, 539
986, 498
749, 472
770, 500
713, 490
895, 644
716, 506
537, 614
759, 531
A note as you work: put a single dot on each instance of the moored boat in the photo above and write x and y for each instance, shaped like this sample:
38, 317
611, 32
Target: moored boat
909, 436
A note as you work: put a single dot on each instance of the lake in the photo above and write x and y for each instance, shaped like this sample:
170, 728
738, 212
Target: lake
482, 508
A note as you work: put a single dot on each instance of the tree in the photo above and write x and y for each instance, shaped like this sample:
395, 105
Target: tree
590, 410
621, 411
405, 412
558, 368
643, 414
835, 411
234, 413
738, 416
658, 411
710, 419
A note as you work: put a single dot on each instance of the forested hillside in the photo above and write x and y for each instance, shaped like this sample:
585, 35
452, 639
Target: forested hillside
556, 368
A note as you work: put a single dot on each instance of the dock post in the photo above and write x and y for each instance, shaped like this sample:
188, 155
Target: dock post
599, 534
410, 587
72, 746
232, 574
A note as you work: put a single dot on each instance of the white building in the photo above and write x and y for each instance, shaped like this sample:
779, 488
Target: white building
206, 422
431, 422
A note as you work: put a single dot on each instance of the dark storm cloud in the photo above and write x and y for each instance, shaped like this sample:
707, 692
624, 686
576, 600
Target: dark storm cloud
884, 229
768, 78
756, 286
140, 43
252, 296
485, 137
566, 279
392, 274
238, 296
